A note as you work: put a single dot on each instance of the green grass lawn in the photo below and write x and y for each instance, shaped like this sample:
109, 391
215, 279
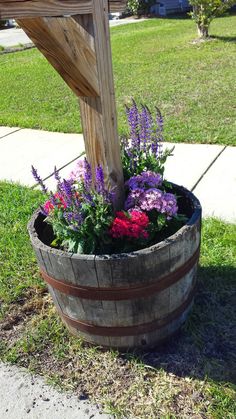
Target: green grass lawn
156, 63
192, 376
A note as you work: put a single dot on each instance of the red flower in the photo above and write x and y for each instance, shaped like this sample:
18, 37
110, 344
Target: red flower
61, 200
60, 203
131, 225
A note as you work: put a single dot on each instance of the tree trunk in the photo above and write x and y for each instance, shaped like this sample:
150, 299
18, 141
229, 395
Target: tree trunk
203, 30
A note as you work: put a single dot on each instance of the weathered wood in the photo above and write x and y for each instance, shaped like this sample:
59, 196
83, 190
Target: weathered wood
139, 321
98, 114
79, 49
65, 46
44, 8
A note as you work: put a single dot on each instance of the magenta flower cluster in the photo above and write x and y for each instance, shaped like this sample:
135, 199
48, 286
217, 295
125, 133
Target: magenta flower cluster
145, 195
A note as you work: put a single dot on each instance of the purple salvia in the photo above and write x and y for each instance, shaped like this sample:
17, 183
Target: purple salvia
100, 187
111, 195
144, 129
160, 126
58, 179
77, 200
125, 145
149, 123
87, 197
87, 175
39, 180
56, 175
133, 120
67, 191
53, 199
73, 217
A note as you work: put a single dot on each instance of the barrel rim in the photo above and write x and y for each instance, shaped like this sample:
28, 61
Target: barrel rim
192, 220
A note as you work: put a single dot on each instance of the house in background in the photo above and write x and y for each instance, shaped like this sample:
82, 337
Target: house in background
166, 7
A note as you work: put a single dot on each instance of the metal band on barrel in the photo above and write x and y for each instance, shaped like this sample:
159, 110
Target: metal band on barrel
118, 293
135, 330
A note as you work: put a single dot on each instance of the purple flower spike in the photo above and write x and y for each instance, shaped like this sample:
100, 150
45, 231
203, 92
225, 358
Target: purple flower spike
39, 180
58, 179
145, 129
133, 120
159, 135
74, 219
67, 191
53, 199
87, 175
100, 187
56, 175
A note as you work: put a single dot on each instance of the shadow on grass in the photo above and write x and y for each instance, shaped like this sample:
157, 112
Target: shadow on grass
224, 38
205, 347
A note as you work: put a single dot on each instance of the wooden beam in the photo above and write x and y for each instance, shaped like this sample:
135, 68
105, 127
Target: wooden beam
79, 49
46, 8
63, 42
98, 114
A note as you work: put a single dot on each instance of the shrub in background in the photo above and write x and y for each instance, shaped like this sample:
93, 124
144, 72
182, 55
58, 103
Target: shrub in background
140, 7
204, 11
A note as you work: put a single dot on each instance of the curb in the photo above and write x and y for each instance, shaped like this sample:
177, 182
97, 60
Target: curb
17, 49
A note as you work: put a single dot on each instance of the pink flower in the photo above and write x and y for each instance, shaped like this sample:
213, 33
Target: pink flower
79, 172
48, 207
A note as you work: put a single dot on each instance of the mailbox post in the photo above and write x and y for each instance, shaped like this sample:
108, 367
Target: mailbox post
74, 37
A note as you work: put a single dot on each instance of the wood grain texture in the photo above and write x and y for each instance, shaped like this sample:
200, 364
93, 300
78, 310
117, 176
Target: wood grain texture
99, 119
79, 49
63, 42
45, 8
161, 313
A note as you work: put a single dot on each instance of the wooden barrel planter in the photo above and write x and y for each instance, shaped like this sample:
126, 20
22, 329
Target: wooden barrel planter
127, 300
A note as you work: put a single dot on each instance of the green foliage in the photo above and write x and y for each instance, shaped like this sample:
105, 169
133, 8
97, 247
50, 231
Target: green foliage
144, 162
204, 11
140, 7
92, 235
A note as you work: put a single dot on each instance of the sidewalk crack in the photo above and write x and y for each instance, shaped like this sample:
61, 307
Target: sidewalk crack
208, 168
60, 168
12, 132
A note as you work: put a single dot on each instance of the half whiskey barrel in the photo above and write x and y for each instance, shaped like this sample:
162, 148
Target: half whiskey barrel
128, 300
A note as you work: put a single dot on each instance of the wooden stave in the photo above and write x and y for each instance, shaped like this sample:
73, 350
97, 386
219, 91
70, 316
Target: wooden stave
99, 312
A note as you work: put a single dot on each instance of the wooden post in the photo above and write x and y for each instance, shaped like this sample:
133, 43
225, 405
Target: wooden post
78, 47
99, 113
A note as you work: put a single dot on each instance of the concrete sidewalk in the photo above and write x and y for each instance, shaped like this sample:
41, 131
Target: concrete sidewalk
207, 170
14, 37
29, 397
